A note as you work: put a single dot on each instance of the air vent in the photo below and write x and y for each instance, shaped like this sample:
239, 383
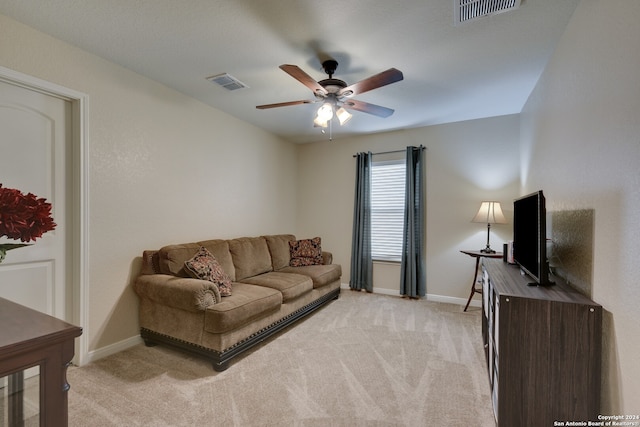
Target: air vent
470, 10
227, 81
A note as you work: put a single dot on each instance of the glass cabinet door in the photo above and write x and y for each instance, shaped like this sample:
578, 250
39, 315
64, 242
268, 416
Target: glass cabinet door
20, 398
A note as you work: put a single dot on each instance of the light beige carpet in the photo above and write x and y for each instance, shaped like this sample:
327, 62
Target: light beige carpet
363, 360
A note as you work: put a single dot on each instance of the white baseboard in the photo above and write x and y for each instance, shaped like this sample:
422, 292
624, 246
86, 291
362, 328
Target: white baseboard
112, 349
430, 297
453, 300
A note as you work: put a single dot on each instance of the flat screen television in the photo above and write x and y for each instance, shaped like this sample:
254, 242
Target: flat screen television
530, 237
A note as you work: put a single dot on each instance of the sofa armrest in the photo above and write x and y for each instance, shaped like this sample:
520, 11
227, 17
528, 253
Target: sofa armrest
178, 292
327, 258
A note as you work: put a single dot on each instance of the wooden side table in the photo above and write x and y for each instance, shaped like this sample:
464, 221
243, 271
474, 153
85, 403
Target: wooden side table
29, 338
477, 255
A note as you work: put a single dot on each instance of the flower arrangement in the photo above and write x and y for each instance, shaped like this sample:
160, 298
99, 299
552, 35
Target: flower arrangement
22, 216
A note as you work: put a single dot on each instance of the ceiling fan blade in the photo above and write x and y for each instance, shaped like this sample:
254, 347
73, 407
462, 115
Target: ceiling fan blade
304, 78
368, 108
283, 104
384, 78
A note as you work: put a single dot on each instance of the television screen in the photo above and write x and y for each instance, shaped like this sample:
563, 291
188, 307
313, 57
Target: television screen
529, 236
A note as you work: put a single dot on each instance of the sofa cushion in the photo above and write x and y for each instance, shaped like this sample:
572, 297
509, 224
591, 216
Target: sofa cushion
248, 303
150, 262
290, 284
279, 249
250, 256
220, 249
321, 275
305, 252
171, 258
204, 266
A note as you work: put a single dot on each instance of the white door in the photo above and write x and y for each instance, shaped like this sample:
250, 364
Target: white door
35, 149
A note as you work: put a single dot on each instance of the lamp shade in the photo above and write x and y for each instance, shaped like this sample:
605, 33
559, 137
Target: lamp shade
490, 213
325, 112
318, 122
343, 116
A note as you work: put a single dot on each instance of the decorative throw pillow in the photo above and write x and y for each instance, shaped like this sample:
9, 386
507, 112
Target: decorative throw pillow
305, 252
203, 265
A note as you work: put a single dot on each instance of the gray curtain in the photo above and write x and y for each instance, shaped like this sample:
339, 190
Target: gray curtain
412, 269
361, 262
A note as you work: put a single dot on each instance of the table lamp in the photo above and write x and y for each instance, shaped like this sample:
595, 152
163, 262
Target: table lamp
489, 213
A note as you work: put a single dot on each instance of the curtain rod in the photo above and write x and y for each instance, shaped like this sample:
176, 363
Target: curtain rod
422, 147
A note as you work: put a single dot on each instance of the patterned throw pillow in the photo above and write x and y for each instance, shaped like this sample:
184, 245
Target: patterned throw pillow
305, 252
203, 265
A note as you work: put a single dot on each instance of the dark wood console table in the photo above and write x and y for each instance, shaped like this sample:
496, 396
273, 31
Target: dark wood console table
543, 349
28, 339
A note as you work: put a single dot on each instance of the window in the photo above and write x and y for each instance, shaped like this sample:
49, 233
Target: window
387, 209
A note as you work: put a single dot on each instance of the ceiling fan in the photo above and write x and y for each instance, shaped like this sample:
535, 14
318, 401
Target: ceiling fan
335, 94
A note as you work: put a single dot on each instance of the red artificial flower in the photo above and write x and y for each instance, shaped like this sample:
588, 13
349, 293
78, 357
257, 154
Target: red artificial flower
24, 217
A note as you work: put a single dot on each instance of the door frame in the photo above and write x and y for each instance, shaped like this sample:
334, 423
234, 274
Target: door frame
78, 189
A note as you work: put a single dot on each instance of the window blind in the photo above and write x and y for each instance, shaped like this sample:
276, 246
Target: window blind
387, 209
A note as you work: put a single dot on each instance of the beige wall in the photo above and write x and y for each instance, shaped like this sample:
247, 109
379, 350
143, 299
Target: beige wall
163, 168
466, 162
581, 144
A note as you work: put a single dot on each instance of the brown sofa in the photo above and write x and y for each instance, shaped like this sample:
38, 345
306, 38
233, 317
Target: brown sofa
267, 295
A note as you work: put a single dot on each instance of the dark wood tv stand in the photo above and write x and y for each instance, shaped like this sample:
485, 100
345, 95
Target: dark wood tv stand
543, 349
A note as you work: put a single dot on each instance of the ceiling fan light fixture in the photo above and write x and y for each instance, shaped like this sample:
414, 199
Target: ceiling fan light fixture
343, 116
333, 93
319, 123
325, 112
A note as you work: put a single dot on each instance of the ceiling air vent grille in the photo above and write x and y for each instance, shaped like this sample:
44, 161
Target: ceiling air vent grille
470, 10
227, 81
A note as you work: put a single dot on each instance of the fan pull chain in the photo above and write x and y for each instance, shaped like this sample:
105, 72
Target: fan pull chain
330, 130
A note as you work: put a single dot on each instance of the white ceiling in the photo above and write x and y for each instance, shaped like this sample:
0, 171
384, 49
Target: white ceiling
451, 72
